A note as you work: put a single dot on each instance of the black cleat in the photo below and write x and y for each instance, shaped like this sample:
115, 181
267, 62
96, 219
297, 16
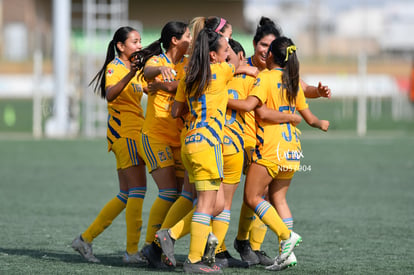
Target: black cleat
153, 253
167, 246
224, 260
246, 252
264, 259
201, 267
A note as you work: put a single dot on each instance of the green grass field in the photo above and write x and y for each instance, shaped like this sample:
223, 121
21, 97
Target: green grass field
354, 209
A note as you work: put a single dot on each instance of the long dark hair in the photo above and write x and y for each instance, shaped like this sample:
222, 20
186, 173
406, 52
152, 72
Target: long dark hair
170, 30
120, 35
236, 47
284, 55
198, 74
266, 27
217, 24
214, 23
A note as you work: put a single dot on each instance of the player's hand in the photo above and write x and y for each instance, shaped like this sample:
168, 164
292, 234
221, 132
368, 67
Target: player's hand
154, 86
252, 71
168, 74
134, 66
324, 125
324, 91
296, 119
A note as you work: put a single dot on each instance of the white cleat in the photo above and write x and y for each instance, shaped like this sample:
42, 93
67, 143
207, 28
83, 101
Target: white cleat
289, 262
287, 247
84, 249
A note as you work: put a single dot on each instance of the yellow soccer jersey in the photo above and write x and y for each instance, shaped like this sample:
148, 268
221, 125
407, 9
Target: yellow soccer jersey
278, 143
204, 123
125, 114
250, 123
238, 88
159, 123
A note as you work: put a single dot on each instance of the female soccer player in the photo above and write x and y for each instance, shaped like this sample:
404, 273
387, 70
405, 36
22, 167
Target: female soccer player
266, 32
203, 92
275, 161
160, 139
220, 223
118, 83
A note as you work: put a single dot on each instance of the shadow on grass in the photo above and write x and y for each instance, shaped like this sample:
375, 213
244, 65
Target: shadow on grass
114, 260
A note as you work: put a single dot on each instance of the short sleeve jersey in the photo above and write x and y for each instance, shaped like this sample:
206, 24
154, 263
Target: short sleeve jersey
205, 120
125, 113
238, 88
159, 123
278, 143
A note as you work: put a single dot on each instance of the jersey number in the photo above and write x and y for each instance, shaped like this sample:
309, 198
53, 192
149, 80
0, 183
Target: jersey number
233, 112
202, 122
287, 136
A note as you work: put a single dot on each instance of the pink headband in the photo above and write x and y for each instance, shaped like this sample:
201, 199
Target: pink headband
221, 25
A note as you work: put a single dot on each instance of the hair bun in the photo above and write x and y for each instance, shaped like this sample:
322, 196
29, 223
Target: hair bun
266, 21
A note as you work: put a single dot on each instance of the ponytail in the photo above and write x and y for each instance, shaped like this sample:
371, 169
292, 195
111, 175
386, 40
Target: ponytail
170, 30
198, 74
284, 55
145, 54
120, 36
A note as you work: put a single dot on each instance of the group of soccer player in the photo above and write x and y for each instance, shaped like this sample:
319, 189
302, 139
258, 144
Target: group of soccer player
211, 115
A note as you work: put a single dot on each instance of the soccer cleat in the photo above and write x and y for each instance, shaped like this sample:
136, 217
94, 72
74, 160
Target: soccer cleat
210, 249
224, 260
152, 253
264, 259
246, 252
84, 249
290, 261
167, 245
135, 258
287, 246
200, 267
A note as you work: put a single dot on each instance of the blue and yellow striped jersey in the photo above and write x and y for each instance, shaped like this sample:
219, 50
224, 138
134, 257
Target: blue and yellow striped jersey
278, 143
159, 123
125, 114
238, 88
204, 123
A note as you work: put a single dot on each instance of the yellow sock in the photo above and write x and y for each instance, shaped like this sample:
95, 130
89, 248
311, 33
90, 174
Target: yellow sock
257, 233
104, 219
269, 216
183, 226
133, 217
177, 211
220, 226
289, 224
158, 212
200, 228
245, 222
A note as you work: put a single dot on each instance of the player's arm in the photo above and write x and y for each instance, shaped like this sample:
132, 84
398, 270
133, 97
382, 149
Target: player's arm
168, 74
178, 109
249, 70
243, 105
313, 121
113, 91
169, 87
315, 92
272, 116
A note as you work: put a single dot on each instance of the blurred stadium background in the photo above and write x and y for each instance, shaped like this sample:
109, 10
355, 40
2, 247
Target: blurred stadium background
50, 50
352, 207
